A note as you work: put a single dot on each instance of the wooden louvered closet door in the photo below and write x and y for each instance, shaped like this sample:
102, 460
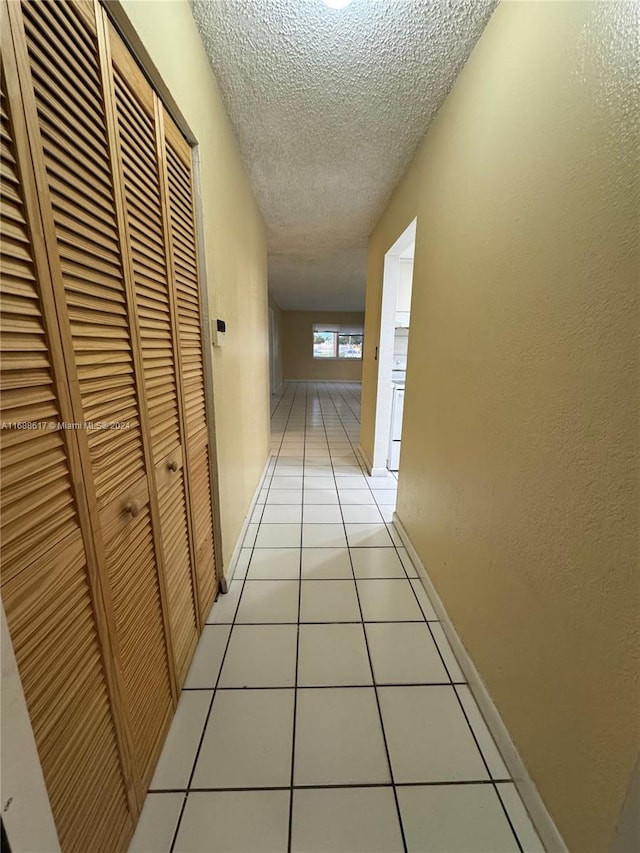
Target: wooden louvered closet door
138, 133
48, 562
184, 261
65, 67
108, 567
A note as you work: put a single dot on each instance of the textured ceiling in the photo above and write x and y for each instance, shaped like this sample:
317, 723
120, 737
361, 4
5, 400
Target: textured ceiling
328, 107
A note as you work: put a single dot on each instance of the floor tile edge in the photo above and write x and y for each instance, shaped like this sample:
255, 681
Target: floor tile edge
533, 802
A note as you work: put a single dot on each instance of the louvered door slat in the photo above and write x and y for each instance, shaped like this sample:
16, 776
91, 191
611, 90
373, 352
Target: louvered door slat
53, 632
141, 179
146, 264
67, 66
44, 572
174, 514
187, 289
141, 639
27, 392
69, 87
145, 227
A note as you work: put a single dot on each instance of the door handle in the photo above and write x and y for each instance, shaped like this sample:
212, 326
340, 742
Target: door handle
133, 508
172, 465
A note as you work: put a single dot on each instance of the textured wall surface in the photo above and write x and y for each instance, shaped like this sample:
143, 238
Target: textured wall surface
519, 470
297, 347
329, 107
235, 256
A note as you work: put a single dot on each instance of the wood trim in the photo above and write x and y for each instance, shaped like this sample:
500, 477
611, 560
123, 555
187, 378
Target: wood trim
207, 352
173, 303
38, 205
174, 136
177, 145
127, 266
132, 40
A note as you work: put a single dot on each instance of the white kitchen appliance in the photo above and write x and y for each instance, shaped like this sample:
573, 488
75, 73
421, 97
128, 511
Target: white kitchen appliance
397, 408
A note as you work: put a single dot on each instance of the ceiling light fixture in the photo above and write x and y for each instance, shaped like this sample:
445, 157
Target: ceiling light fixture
337, 4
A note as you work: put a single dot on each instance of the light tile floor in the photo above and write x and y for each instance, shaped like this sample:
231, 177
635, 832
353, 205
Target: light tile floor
324, 709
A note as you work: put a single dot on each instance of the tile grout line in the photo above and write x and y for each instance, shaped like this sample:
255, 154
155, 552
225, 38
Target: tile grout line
346, 402
459, 701
488, 769
373, 679
455, 692
325, 686
295, 692
449, 783
396, 549
324, 621
330, 548
393, 543
213, 695
325, 396
271, 475
264, 505
280, 399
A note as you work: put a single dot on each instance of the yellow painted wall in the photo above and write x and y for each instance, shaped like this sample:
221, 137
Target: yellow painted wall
235, 256
297, 347
519, 469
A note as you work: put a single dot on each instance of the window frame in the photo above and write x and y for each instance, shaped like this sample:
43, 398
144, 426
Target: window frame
336, 333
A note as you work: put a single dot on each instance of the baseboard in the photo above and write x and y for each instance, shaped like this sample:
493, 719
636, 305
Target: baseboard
533, 802
247, 521
325, 381
373, 472
364, 459
627, 835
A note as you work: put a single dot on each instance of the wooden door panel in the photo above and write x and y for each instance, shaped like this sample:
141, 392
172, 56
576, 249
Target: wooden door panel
187, 289
142, 642
46, 587
136, 124
173, 511
30, 523
201, 492
108, 563
69, 94
51, 620
91, 263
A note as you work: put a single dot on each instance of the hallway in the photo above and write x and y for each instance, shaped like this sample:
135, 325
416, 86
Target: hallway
323, 700
418, 222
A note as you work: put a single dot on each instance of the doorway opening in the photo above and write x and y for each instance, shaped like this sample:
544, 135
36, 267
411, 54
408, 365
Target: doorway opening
392, 352
272, 351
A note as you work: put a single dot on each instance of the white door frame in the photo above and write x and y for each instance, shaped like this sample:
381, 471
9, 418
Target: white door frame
384, 391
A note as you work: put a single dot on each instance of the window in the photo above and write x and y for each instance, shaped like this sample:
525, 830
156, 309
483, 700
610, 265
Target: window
324, 344
335, 341
349, 346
